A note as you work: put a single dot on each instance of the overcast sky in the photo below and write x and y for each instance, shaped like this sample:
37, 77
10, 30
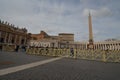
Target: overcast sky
64, 16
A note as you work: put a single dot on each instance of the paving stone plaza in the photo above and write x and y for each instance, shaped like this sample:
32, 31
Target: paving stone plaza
55, 53
57, 69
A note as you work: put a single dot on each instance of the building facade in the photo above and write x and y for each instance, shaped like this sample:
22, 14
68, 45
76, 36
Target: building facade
65, 39
101, 45
44, 40
11, 35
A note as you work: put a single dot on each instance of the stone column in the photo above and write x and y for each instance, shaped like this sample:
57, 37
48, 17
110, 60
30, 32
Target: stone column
116, 45
0, 34
102, 46
119, 46
20, 40
113, 46
9, 38
5, 37
15, 39
86, 46
97, 46
24, 41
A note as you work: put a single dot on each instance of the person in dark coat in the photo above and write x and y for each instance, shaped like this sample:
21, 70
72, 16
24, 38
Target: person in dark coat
72, 52
17, 48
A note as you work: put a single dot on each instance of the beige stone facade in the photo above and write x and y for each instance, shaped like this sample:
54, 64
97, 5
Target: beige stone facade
66, 37
102, 45
44, 40
11, 35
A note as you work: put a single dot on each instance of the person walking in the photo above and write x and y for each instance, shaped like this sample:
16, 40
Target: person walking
72, 52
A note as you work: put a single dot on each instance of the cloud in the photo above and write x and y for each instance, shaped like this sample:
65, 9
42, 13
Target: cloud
56, 16
102, 12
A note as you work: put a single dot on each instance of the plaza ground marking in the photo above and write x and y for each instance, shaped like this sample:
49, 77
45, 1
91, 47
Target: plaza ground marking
26, 66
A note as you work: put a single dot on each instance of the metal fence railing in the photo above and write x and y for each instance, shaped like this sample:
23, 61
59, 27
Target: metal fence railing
98, 55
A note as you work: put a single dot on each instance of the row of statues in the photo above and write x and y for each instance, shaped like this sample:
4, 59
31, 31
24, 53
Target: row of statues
12, 27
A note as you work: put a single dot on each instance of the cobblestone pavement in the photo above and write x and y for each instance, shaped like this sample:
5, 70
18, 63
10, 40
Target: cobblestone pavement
68, 69
9, 59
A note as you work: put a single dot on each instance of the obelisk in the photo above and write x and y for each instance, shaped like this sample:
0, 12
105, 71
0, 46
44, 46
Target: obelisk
90, 45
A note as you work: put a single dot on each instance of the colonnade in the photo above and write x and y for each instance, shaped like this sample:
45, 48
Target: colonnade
7, 37
105, 45
109, 46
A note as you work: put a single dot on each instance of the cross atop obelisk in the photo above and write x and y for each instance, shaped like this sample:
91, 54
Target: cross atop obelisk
90, 45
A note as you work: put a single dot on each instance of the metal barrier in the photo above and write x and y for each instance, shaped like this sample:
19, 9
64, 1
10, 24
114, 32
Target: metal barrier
98, 55
8, 47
